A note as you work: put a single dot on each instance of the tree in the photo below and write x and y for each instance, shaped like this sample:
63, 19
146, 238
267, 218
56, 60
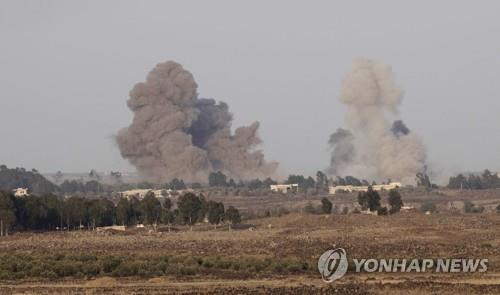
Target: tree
123, 211
321, 181
233, 216
395, 201
135, 210
326, 206
177, 184
215, 212
76, 211
58, 177
423, 180
151, 209
369, 199
189, 206
7, 213
217, 179
304, 183
93, 174
167, 216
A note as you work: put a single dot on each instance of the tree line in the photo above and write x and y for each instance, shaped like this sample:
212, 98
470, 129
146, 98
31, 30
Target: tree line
51, 212
486, 180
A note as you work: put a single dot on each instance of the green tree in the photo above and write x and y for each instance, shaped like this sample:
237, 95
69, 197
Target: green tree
369, 199
216, 179
7, 213
326, 206
321, 181
123, 211
135, 210
189, 207
151, 209
177, 184
167, 216
233, 216
395, 201
215, 212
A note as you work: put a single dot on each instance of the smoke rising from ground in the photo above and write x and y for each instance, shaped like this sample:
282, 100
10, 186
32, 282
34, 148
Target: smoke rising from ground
176, 134
373, 149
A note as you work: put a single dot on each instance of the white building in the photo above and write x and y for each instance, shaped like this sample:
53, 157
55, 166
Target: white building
351, 188
20, 192
141, 193
284, 188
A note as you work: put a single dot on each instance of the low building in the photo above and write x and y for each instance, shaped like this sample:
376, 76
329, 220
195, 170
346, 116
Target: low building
408, 209
351, 188
141, 193
284, 188
20, 192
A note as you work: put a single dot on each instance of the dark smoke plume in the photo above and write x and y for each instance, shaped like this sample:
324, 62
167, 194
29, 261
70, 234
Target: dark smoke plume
341, 141
175, 134
399, 128
372, 148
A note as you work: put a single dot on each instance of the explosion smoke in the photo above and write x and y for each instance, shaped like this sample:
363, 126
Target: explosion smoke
175, 134
372, 149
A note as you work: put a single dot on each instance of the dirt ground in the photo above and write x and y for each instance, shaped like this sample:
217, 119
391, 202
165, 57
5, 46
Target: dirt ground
294, 236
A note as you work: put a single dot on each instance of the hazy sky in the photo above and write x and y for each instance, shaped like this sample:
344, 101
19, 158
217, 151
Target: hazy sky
66, 68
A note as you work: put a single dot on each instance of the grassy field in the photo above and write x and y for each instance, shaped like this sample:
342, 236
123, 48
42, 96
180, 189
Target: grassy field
279, 255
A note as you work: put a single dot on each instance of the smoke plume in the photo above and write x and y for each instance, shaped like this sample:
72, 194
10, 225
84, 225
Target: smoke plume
372, 148
175, 134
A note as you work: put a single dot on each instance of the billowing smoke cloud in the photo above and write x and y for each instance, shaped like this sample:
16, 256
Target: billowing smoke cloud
176, 134
373, 149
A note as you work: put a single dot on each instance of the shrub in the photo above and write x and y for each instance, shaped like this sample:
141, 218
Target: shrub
126, 269
65, 268
326, 206
382, 211
428, 206
110, 263
48, 274
309, 208
90, 269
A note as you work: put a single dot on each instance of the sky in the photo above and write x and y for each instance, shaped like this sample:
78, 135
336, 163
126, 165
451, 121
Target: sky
66, 68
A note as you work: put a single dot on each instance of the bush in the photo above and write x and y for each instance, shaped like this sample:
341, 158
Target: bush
428, 207
126, 269
309, 208
110, 263
382, 211
65, 268
470, 207
326, 206
90, 269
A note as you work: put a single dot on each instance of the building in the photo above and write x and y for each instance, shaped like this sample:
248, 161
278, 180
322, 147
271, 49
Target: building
284, 188
20, 192
351, 188
141, 193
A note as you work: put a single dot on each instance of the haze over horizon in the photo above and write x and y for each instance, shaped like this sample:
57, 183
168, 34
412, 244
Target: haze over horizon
67, 69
